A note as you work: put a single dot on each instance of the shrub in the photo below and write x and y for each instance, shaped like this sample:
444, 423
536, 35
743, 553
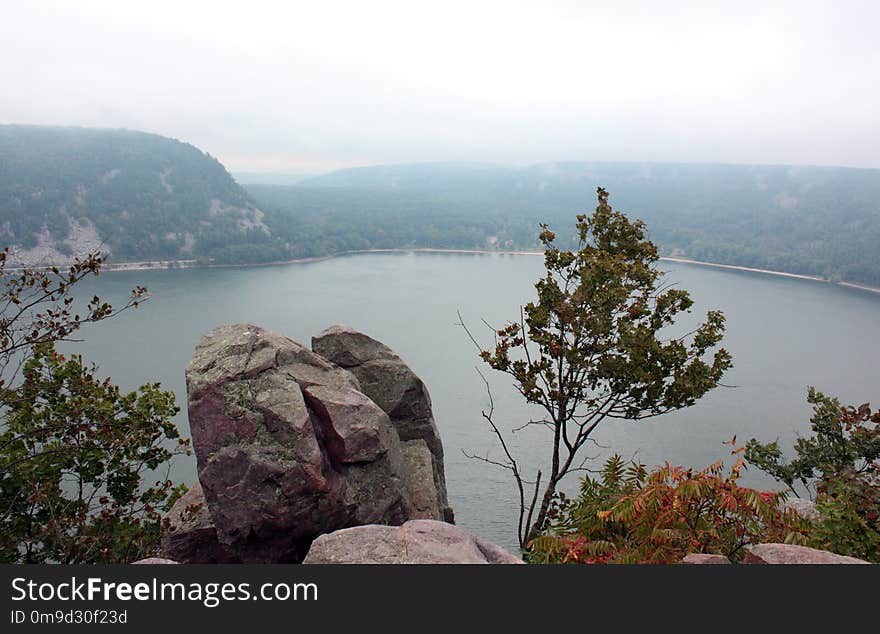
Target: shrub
630, 515
839, 466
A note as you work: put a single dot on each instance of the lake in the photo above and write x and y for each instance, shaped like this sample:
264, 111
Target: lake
784, 334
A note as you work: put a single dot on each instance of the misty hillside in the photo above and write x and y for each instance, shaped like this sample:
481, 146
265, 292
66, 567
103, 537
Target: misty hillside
814, 220
64, 191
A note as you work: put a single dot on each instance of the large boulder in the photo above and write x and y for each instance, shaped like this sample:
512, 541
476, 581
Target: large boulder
393, 386
415, 542
791, 554
289, 446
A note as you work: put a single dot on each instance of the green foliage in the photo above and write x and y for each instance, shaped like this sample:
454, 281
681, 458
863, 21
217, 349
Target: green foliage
840, 467
848, 506
73, 454
594, 344
628, 515
74, 451
317, 221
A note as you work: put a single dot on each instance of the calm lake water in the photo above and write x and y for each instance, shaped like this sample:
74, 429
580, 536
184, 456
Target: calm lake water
784, 334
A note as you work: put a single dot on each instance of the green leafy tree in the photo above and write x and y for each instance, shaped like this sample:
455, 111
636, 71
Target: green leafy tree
72, 459
594, 345
839, 467
75, 452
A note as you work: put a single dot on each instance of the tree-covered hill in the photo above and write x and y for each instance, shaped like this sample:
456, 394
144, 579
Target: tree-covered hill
146, 197
140, 196
821, 221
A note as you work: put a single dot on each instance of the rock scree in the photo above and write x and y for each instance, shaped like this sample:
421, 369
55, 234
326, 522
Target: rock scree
291, 444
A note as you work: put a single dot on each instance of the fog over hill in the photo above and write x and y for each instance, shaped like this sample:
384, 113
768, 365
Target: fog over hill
821, 221
146, 197
138, 196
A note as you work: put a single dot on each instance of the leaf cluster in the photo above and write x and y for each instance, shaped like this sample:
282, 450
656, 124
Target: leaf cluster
838, 466
73, 455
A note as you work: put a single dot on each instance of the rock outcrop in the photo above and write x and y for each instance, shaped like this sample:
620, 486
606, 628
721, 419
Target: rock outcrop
791, 554
290, 446
386, 379
415, 542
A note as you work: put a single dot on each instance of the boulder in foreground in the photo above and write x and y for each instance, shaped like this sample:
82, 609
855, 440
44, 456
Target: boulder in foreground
290, 446
791, 554
415, 542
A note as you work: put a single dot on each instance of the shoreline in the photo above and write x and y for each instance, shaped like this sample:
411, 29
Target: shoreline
191, 264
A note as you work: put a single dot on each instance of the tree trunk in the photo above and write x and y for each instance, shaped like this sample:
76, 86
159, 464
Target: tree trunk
535, 528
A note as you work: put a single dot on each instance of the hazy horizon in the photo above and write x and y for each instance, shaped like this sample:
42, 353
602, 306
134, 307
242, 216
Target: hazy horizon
303, 88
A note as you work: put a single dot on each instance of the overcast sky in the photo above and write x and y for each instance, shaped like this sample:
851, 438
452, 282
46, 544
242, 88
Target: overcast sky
322, 84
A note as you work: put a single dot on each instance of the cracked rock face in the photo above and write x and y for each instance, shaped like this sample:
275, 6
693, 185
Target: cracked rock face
393, 386
289, 446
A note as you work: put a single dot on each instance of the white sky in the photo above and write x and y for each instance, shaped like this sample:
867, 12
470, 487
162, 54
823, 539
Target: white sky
316, 85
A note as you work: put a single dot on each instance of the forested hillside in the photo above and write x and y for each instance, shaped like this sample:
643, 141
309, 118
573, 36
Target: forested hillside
814, 220
139, 196
146, 197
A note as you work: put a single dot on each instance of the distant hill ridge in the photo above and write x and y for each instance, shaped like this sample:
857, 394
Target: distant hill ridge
821, 221
146, 197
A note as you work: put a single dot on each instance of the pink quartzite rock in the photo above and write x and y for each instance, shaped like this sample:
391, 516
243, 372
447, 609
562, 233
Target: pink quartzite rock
387, 380
701, 558
790, 554
415, 542
289, 447
355, 429
152, 561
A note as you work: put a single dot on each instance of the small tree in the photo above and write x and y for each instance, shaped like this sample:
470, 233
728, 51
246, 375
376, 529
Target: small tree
74, 449
590, 348
838, 467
